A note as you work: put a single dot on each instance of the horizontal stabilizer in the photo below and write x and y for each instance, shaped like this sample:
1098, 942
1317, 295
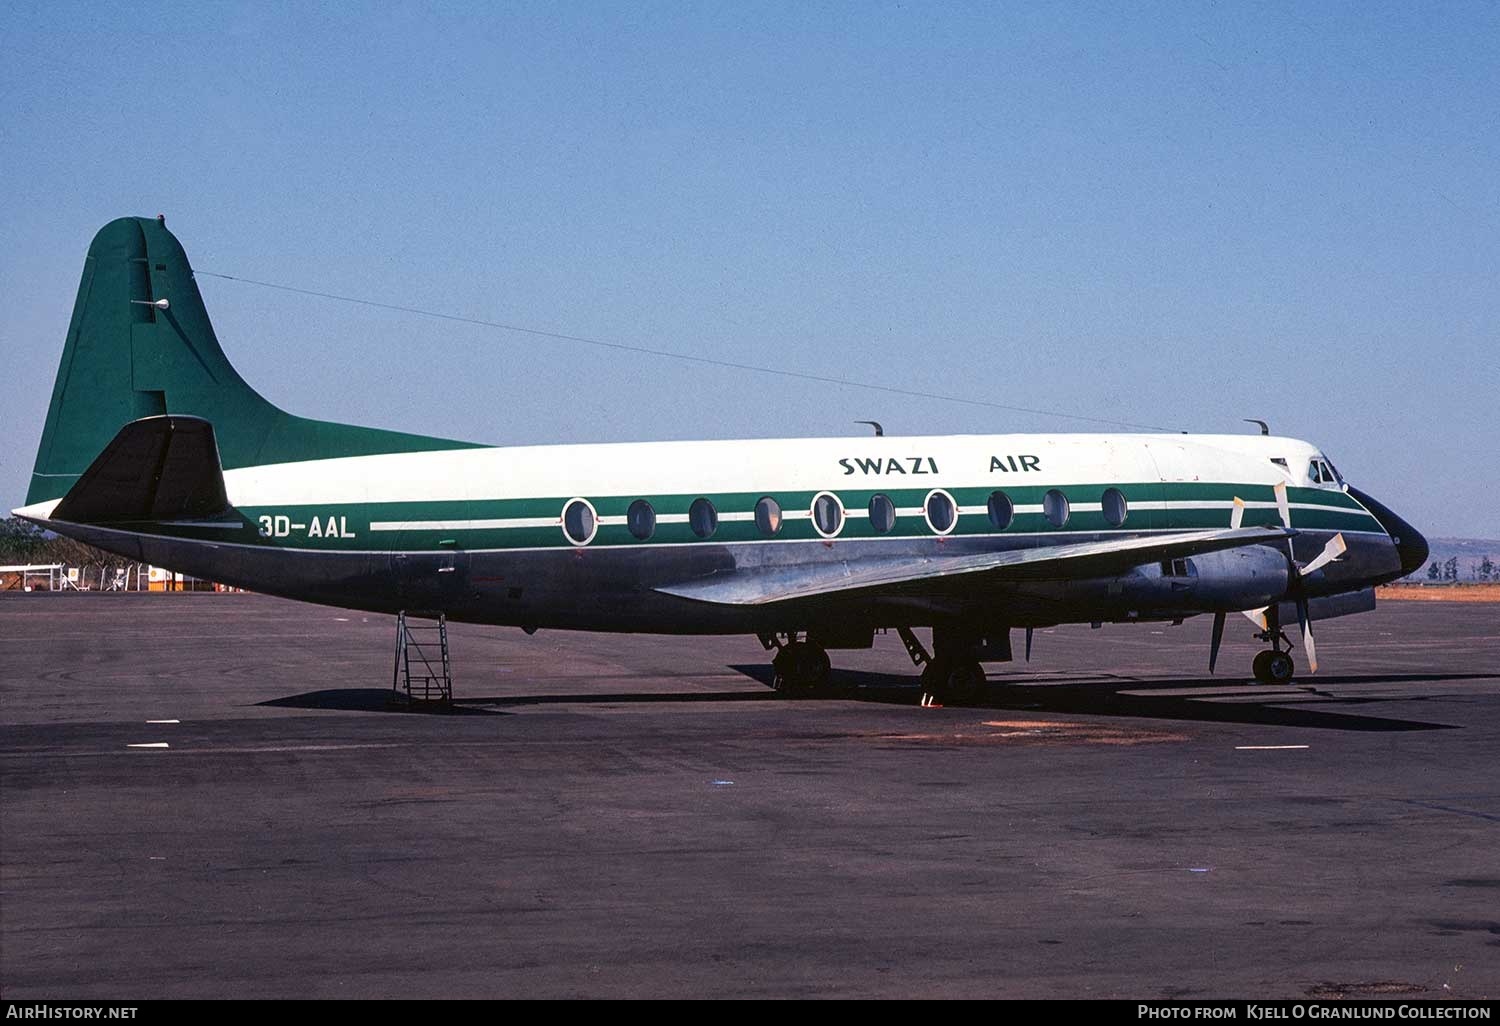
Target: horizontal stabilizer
762, 586
157, 468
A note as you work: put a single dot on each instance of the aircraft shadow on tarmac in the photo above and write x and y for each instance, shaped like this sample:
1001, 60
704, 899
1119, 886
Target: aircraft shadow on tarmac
1124, 697
1144, 698
371, 700
382, 700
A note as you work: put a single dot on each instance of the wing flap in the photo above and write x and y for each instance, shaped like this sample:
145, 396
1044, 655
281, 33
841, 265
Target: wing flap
763, 586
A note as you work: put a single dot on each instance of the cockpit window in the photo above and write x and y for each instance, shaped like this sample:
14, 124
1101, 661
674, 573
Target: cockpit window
1320, 471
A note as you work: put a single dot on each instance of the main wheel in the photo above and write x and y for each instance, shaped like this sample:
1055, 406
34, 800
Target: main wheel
1259, 668
966, 683
1280, 668
801, 668
960, 683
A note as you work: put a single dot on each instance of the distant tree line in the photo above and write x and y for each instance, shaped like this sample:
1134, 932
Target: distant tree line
1484, 570
22, 542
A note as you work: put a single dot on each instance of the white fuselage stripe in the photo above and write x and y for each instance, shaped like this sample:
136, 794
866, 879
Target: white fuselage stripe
772, 466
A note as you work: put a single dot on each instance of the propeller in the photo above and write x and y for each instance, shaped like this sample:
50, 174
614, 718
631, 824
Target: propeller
1028, 644
1335, 548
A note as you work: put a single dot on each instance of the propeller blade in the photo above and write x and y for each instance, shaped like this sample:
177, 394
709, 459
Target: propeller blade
1307, 638
1335, 548
1282, 505
1028, 644
1237, 515
1215, 642
1257, 616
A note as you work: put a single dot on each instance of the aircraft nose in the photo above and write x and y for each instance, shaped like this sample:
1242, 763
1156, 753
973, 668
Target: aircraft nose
1411, 547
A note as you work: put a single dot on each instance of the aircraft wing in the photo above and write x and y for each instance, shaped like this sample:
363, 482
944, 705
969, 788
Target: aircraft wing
758, 586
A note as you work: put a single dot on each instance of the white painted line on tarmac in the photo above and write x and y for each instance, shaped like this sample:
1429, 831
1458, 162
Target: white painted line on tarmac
1267, 748
153, 744
163, 721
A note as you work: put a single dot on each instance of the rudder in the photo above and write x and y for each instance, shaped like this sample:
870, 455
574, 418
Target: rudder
127, 357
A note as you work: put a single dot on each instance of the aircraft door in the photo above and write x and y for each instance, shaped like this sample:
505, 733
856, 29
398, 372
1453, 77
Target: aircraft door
428, 576
1176, 470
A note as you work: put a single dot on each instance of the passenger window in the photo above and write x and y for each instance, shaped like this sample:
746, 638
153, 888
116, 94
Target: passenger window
768, 516
1002, 510
1055, 506
579, 523
1114, 507
941, 513
882, 514
641, 519
828, 514
703, 518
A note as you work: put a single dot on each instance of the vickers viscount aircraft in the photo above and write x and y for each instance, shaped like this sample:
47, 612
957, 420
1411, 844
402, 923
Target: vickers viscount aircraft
156, 449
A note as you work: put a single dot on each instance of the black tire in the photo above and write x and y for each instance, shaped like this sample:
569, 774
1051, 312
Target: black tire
801, 669
1261, 670
965, 684
946, 683
1279, 668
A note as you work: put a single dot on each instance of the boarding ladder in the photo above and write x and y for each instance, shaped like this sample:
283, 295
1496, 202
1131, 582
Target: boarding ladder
423, 671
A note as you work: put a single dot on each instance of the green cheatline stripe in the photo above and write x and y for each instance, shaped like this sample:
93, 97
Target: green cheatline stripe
351, 522
852, 498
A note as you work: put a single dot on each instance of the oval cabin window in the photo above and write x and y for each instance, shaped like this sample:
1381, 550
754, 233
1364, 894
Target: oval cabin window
1002, 510
768, 516
1114, 507
703, 518
827, 514
1055, 507
942, 514
641, 519
579, 522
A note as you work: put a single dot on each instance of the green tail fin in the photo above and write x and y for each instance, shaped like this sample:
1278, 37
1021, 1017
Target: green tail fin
128, 357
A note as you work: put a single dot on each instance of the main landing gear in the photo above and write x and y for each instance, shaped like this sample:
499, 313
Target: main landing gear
801, 667
951, 673
950, 676
1274, 666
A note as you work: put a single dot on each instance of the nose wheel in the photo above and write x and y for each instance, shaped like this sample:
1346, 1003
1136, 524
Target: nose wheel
1274, 667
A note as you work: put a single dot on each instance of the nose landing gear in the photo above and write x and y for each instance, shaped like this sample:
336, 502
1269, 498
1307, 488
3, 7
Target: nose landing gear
1275, 665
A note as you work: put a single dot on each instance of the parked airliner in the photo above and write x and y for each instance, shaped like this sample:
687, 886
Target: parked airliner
156, 449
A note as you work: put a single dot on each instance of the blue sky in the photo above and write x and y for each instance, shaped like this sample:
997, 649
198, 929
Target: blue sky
1178, 215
